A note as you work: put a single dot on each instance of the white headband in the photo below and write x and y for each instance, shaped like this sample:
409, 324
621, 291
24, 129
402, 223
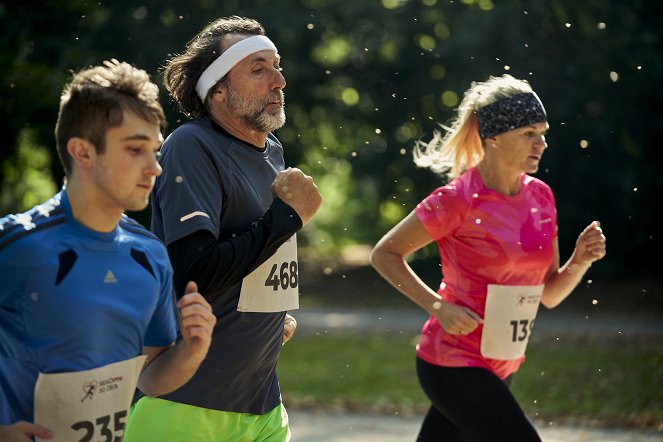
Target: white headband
233, 55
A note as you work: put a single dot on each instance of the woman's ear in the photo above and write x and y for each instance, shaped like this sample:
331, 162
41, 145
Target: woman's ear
490, 141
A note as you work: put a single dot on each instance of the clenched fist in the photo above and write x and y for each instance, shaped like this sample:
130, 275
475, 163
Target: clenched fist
289, 327
298, 191
196, 321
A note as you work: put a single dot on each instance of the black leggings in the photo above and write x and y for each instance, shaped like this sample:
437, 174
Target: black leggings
471, 404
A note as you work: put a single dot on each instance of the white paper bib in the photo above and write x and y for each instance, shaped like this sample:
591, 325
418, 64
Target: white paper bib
89, 405
274, 286
508, 320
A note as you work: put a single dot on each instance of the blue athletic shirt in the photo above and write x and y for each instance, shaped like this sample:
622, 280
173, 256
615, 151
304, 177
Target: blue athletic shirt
74, 299
216, 183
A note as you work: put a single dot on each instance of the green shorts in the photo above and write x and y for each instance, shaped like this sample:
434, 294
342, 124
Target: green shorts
158, 420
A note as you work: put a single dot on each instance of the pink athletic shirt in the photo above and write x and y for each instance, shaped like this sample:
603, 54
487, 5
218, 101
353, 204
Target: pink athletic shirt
484, 237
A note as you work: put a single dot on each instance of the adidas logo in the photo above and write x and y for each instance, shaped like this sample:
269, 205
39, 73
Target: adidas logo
110, 278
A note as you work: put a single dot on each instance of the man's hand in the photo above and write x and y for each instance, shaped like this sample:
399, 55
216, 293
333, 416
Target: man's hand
298, 191
197, 321
289, 327
22, 431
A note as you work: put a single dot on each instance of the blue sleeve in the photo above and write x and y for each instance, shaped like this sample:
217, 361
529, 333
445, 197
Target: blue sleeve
162, 329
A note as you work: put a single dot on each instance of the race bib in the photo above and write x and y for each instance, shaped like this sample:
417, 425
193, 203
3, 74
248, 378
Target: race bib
89, 405
508, 320
274, 286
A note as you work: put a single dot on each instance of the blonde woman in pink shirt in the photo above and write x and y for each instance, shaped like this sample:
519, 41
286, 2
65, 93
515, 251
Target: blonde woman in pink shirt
496, 230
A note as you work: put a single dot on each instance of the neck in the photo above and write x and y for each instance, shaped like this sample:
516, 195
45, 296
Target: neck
90, 209
496, 178
234, 127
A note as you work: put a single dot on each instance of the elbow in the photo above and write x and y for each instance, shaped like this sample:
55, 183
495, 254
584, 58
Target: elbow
375, 257
549, 303
148, 389
383, 259
371, 258
153, 389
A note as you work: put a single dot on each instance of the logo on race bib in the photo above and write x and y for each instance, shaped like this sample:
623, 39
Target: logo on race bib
527, 299
89, 389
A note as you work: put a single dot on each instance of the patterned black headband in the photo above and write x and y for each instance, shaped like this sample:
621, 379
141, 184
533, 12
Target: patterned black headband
510, 113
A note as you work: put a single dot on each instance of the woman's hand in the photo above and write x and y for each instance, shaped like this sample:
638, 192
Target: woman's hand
456, 319
590, 245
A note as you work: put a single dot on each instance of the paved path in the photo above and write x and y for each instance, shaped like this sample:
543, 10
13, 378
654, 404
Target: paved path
410, 320
346, 427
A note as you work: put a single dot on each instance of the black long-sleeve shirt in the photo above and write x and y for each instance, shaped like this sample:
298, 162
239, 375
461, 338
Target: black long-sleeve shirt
216, 265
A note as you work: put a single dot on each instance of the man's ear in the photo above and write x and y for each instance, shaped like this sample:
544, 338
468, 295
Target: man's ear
219, 95
81, 151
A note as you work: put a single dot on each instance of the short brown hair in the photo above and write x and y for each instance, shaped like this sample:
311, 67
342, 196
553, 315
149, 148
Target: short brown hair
183, 70
95, 100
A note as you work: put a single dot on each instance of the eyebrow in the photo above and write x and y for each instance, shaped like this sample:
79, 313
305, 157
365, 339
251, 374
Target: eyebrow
260, 59
141, 137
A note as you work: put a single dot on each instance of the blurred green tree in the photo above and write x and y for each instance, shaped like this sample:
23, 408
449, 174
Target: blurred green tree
368, 79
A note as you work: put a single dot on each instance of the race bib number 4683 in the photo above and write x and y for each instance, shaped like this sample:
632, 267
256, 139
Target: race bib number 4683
273, 286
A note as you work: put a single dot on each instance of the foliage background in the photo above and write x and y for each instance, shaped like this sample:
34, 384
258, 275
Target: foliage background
366, 79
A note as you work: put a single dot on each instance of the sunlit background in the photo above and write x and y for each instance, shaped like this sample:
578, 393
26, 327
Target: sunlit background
365, 80
368, 78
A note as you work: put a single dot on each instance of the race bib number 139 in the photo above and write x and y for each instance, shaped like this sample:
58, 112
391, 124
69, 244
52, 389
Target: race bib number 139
508, 320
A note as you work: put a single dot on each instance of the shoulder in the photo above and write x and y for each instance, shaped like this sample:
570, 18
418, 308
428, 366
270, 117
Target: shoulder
200, 129
189, 128
143, 241
33, 223
198, 137
460, 188
136, 229
537, 186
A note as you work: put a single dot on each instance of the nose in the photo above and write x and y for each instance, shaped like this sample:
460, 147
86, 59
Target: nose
279, 79
154, 168
541, 142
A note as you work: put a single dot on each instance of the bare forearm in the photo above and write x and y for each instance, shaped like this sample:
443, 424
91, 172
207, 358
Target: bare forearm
454, 319
561, 283
395, 270
590, 247
169, 371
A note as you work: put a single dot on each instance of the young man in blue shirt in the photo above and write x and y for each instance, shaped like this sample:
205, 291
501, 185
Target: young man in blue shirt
87, 312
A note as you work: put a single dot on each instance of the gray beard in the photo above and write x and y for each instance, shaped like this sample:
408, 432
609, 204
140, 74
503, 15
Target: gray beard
253, 114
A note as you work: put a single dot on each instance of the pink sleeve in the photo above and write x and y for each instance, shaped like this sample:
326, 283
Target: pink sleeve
443, 211
547, 201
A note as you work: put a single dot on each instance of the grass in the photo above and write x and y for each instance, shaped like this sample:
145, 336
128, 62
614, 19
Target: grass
611, 382
584, 381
